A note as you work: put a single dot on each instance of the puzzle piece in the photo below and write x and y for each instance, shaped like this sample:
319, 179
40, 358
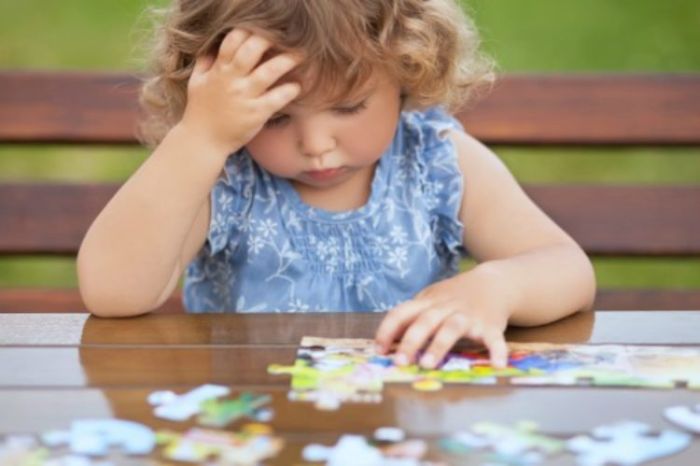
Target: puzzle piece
626, 443
687, 417
250, 446
70, 460
355, 450
181, 407
219, 413
517, 440
21, 450
96, 437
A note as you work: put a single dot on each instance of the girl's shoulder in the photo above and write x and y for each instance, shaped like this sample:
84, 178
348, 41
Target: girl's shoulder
427, 152
428, 128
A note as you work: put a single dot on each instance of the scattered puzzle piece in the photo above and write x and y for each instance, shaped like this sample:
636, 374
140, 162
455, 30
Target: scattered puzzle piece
687, 417
21, 450
219, 413
499, 444
517, 440
96, 437
247, 447
355, 450
181, 407
626, 443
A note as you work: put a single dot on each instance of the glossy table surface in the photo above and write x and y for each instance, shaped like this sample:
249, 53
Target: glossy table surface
55, 368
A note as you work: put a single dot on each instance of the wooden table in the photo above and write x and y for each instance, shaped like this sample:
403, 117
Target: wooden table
55, 368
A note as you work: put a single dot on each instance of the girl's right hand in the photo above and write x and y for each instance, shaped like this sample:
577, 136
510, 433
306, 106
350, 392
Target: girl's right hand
229, 99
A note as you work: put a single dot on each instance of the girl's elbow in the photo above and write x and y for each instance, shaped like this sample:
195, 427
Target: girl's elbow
106, 303
102, 298
589, 283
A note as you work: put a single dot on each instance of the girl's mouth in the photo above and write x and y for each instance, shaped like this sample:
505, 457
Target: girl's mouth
324, 175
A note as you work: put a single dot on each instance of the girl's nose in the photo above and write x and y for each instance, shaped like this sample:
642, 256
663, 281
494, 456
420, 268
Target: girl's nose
315, 139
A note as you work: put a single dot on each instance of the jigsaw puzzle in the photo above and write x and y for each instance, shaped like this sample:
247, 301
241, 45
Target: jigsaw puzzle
331, 371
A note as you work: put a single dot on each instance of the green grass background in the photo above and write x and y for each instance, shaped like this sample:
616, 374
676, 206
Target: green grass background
523, 36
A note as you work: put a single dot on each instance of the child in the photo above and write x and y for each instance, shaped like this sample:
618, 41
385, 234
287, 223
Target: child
305, 161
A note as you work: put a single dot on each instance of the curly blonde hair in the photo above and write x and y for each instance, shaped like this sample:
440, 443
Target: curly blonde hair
430, 47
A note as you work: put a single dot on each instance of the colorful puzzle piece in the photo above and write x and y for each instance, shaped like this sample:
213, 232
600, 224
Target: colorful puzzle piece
21, 450
517, 440
626, 443
96, 437
219, 413
250, 446
500, 444
181, 407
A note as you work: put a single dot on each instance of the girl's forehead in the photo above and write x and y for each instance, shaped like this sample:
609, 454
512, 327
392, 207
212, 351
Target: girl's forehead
319, 92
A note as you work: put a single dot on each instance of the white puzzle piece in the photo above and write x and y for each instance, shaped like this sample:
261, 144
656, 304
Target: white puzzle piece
95, 437
626, 443
687, 417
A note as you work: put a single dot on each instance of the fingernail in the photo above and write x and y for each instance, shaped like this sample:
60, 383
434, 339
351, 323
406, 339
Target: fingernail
427, 361
378, 348
401, 360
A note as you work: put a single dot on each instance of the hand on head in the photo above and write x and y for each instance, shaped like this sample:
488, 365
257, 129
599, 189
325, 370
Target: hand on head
230, 96
465, 306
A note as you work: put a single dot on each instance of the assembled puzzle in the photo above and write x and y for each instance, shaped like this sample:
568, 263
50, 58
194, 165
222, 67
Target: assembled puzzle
330, 371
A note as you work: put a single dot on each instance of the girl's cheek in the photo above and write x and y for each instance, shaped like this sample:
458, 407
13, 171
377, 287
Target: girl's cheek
272, 152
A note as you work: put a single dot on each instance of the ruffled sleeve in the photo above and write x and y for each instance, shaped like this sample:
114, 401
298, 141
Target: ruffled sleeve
441, 179
231, 198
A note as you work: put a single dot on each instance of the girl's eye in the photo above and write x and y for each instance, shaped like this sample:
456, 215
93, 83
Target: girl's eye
276, 121
351, 109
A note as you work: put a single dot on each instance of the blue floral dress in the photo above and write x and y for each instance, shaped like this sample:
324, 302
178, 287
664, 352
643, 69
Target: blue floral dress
268, 251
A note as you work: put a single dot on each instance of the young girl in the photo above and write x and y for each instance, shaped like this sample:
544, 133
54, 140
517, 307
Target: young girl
305, 161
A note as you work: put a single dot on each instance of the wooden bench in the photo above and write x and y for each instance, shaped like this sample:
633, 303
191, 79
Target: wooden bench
592, 110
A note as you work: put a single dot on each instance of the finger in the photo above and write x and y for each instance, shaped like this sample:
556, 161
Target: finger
474, 331
279, 97
418, 333
249, 54
451, 330
202, 64
498, 349
230, 45
271, 71
396, 322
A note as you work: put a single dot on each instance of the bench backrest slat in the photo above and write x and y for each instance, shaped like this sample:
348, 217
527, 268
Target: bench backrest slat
521, 109
52, 219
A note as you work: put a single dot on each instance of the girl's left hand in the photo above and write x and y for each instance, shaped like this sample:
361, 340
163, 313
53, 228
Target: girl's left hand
473, 304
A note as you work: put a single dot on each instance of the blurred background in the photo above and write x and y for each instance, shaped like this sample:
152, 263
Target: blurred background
553, 36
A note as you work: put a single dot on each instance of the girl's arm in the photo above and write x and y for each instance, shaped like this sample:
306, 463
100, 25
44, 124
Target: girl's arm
133, 254
136, 249
530, 271
544, 270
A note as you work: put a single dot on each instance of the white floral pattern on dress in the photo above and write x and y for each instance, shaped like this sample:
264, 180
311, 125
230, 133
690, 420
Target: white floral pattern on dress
268, 251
